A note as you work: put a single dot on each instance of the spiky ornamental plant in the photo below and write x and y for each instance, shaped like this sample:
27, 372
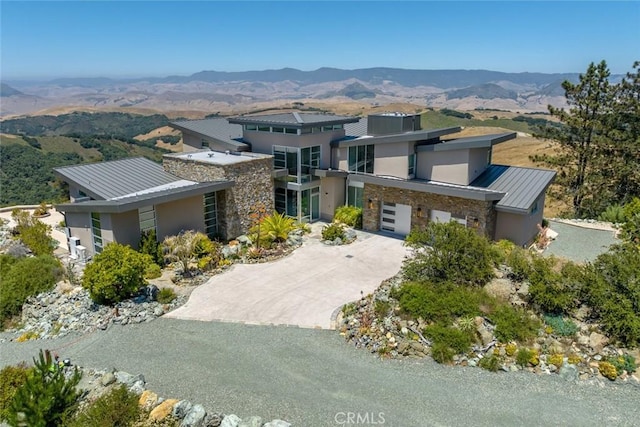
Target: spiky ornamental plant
47, 398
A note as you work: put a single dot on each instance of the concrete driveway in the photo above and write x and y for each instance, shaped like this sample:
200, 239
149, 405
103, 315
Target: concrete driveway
303, 289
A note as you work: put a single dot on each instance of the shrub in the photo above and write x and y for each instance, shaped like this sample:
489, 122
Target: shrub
561, 326
115, 274
490, 363
611, 288
510, 349
441, 302
166, 296
556, 359
574, 359
381, 308
513, 324
549, 290
502, 249
333, 231
25, 277
33, 233
119, 407
182, 248
349, 215
623, 363
275, 227
47, 398
149, 245
518, 261
11, 379
41, 210
447, 341
153, 271
449, 252
608, 370
525, 356
613, 213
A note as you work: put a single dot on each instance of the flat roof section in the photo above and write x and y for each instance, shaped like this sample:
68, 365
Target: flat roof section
218, 157
419, 135
482, 141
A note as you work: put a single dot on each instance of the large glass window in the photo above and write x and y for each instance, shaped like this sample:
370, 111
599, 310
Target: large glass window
355, 196
412, 165
361, 158
211, 215
309, 159
286, 158
96, 232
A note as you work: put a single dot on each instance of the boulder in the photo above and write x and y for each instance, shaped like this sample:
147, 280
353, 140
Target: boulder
485, 335
213, 420
499, 288
148, 399
127, 379
181, 409
277, 423
231, 420
163, 410
568, 372
597, 341
107, 379
251, 422
195, 417
523, 291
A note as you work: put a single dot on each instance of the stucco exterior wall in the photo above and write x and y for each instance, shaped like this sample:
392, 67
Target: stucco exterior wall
392, 159
191, 141
106, 228
181, 215
79, 225
520, 229
126, 228
443, 166
478, 162
331, 196
253, 186
341, 158
459, 207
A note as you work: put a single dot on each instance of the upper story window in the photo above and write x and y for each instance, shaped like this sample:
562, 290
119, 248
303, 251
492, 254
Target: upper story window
272, 129
250, 127
412, 165
205, 143
361, 158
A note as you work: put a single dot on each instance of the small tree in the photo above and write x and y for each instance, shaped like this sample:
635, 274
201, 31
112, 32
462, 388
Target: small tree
115, 274
149, 245
182, 248
449, 252
47, 398
33, 233
257, 213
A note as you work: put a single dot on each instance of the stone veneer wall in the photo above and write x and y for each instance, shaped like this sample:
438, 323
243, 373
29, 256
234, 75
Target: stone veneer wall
253, 185
458, 207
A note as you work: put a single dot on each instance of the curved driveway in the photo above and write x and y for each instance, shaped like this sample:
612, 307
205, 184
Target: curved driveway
310, 377
302, 289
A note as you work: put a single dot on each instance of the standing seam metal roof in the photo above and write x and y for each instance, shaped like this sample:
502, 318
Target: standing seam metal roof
219, 129
294, 119
116, 178
521, 185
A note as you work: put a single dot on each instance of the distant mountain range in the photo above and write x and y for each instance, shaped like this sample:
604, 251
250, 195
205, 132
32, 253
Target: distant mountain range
227, 92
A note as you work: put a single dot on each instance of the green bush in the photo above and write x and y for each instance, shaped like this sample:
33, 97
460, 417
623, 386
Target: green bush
149, 245
119, 407
153, 271
613, 213
333, 231
623, 363
631, 224
47, 398
553, 292
349, 215
561, 326
518, 261
115, 274
449, 252
190, 244
381, 308
275, 227
513, 324
502, 249
11, 379
490, 363
441, 302
25, 277
524, 356
166, 296
447, 341
33, 233
612, 289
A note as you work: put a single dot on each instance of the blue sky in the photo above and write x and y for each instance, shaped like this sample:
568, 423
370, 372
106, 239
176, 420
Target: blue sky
151, 38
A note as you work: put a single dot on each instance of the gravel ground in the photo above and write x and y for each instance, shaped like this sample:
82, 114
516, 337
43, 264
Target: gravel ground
579, 244
313, 378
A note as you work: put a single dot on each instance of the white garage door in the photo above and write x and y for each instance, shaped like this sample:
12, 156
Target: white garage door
396, 218
443, 216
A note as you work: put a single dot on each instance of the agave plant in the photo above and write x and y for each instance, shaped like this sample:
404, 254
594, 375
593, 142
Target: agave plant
276, 227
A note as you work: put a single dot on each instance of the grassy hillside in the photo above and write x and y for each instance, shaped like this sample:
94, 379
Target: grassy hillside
518, 123
41, 143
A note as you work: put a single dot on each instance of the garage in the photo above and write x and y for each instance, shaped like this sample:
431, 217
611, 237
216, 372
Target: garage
395, 218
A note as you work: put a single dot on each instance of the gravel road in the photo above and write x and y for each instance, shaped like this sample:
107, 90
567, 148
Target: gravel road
313, 378
579, 244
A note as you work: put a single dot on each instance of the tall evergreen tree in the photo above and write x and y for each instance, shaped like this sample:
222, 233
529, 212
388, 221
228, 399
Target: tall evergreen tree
598, 157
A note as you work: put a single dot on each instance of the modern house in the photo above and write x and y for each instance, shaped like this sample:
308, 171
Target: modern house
306, 165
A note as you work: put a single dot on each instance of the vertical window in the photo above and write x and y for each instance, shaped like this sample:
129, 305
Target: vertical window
205, 143
355, 196
281, 200
361, 158
412, 165
287, 158
96, 232
147, 218
309, 159
210, 215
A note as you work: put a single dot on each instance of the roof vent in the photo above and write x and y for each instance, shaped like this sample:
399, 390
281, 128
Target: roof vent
210, 155
227, 152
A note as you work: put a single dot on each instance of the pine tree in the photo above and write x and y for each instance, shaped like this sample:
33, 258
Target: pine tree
47, 398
